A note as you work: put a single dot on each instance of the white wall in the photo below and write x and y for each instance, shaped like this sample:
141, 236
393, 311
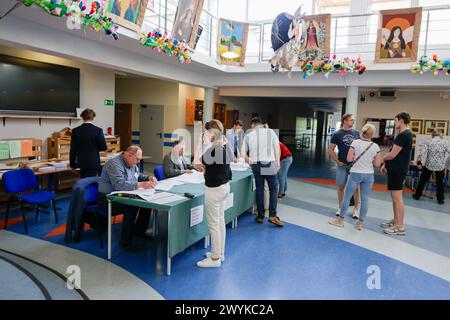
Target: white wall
171, 95
96, 85
420, 105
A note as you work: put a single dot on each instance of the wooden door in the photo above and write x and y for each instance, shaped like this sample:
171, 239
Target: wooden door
122, 124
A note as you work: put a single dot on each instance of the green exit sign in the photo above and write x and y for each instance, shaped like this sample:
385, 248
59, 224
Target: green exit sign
109, 102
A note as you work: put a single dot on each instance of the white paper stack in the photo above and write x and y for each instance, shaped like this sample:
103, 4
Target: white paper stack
145, 194
194, 177
167, 184
46, 169
240, 166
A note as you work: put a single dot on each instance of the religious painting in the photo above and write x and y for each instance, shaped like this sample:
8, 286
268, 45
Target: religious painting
316, 37
232, 42
398, 35
127, 13
187, 20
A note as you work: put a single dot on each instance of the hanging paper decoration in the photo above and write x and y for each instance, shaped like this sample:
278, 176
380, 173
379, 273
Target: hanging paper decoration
340, 66
434, 65
88, 13
167, 44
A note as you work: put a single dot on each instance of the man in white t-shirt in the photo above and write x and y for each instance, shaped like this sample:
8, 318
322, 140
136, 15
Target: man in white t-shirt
261, 149
363, 156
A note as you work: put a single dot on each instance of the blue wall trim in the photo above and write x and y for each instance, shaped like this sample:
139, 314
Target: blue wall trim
170, 136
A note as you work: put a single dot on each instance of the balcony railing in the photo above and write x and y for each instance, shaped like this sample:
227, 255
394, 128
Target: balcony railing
351, 35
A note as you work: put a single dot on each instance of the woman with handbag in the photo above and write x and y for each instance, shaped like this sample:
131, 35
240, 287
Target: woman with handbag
363, 156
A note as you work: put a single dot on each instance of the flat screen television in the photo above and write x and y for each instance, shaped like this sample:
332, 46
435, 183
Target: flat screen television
37, 88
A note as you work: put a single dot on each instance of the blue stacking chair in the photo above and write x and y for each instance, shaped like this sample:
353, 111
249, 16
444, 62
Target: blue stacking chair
21, 184
90, 198
159, 173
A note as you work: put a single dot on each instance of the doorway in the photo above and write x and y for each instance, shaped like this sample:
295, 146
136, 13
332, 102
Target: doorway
151, 124
122, 124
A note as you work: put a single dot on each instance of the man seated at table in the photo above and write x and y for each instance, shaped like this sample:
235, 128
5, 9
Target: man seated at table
122, 174
174, 163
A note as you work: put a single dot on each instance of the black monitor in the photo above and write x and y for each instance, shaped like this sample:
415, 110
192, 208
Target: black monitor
32, 87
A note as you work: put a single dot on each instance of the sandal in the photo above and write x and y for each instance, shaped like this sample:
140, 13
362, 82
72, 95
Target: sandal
337, 222
359, 225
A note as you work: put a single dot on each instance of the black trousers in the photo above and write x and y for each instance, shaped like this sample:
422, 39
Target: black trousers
425, 177
86, 173
130, 225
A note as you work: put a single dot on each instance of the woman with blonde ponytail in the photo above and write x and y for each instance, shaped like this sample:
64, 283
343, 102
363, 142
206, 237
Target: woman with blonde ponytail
363, 156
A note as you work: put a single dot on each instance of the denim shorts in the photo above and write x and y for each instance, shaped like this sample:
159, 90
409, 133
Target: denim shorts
342, 173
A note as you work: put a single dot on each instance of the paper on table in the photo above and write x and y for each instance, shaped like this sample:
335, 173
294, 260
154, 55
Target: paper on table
239, 166
194, 177
166, 185
145, 194
15, 149
165, 197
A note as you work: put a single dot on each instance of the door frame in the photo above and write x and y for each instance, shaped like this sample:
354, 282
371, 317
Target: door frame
129, 109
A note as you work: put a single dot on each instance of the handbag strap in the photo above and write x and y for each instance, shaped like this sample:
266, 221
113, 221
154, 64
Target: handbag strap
362, 154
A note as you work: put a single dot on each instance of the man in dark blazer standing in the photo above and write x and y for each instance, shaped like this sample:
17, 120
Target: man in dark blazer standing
85, 146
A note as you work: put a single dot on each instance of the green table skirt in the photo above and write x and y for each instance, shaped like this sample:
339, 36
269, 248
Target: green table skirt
181, 234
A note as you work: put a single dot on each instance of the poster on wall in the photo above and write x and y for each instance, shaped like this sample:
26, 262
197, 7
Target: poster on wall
187, 20
232, 42
316, 37
398, 35
127, 13
439, 125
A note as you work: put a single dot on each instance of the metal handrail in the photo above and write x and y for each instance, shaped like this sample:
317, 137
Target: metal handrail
166, 16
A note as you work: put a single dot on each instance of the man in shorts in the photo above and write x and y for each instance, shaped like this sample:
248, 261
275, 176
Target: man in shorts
343, 139
396, 165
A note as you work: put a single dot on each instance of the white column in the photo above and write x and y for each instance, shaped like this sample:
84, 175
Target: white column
208, 105
351, 105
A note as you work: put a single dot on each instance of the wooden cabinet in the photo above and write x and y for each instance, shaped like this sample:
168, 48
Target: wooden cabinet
194, 111
220, 112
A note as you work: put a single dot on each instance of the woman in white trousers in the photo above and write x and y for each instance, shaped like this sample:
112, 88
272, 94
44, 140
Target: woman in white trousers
215, 163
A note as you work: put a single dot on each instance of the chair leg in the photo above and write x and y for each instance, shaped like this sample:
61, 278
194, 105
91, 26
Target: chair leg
7, 213
23, 217
37, 212
99, 231
55, 211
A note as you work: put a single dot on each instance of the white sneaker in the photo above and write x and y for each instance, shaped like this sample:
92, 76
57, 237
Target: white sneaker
208, 255
338, 213
209, 263
355, 214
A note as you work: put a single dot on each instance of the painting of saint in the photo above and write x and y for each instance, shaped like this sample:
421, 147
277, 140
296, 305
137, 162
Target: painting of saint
316, 37
127, 13
398, 35
311, 40
187, 21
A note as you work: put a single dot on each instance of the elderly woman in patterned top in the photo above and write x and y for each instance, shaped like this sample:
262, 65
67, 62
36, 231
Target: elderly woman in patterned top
433, 158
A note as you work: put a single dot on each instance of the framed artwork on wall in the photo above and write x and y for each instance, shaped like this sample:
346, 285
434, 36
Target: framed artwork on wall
416, 127
440, 125
316, 37
398, 35
127, 13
